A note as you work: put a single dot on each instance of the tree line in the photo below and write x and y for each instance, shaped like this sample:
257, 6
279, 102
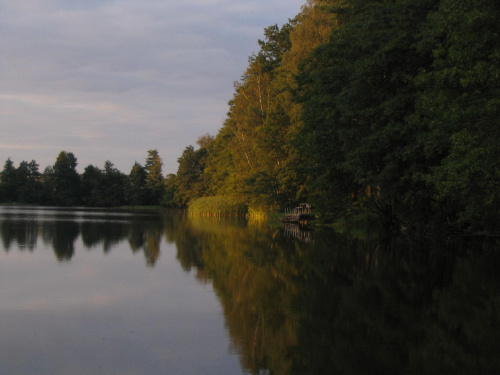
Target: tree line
62, 185
384, 106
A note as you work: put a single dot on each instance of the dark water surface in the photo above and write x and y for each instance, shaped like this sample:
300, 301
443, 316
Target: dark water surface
147, 292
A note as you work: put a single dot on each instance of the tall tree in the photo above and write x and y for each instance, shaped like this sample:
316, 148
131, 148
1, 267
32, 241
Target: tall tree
137, 190
154, 178
358, 90
8, 182
91, 186
280, 176
47, 179
66, 180
103, 188
221, 172
170, 195
236, 159
252, 155
275, 45
113, 183
28, 186
189, 181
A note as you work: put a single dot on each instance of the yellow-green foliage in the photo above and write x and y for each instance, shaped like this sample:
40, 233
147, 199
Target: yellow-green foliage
257, 214
218, 206
260, 211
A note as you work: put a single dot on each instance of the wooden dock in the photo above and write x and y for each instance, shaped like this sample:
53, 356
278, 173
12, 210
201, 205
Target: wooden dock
300, 215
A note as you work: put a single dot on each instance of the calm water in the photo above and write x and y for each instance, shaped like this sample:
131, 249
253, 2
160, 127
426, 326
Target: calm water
103, 292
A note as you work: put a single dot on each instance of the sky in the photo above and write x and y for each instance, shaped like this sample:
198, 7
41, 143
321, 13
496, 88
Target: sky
112, 79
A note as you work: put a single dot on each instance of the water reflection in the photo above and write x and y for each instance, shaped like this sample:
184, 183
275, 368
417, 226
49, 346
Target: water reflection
60, 229
298, 232
350, 303
24, 234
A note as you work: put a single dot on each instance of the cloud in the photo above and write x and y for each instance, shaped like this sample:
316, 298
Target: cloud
109, 80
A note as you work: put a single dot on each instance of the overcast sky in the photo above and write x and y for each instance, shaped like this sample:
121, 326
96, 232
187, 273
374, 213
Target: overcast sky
112, 79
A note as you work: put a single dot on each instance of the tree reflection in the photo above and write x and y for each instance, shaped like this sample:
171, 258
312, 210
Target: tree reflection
25, 235
345, 303
61, 235
92, 234
152, 246
247, 269
349, 304
104, 230
137, 237
461, 327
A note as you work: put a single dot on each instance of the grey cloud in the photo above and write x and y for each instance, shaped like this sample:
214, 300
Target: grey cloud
112, 79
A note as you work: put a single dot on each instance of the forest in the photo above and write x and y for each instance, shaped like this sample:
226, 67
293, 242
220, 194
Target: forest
390, 107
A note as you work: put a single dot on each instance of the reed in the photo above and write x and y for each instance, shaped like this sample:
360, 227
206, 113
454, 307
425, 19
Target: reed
218, 206
261, 211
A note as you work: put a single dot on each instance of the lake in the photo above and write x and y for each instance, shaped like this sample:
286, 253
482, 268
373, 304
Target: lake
89, 291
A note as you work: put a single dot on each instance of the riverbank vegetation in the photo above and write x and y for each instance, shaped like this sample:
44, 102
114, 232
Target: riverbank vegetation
390, 107
218, 206
62, 185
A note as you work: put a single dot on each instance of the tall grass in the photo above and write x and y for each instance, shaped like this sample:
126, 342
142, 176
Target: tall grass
262, 212
218, 206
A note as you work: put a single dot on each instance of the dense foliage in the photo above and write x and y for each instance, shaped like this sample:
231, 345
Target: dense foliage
62, 185
387, 106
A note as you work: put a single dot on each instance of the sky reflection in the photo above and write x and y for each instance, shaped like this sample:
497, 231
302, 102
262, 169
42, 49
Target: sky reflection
107, 313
